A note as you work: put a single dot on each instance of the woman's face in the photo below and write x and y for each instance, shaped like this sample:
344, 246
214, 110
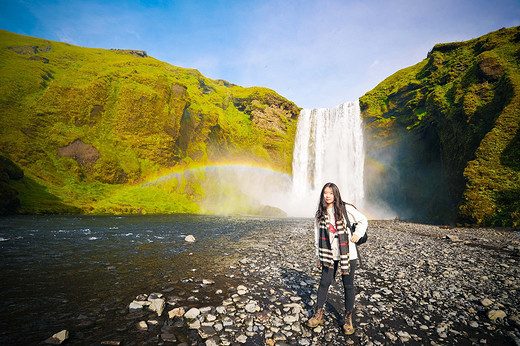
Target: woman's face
328, 195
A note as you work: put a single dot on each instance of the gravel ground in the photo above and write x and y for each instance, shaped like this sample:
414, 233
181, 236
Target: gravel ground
418, 285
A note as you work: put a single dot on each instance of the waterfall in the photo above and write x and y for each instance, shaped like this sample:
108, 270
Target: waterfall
329, 148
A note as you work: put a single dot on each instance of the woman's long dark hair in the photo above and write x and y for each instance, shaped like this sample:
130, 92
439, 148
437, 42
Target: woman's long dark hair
338, 203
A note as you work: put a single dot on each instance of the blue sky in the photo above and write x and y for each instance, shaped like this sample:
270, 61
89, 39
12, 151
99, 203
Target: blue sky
315, 53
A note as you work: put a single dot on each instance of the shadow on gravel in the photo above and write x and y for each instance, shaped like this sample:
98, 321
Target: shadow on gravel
305, 285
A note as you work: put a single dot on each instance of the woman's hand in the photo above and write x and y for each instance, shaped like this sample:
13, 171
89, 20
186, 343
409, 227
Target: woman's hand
354, 238
319, 264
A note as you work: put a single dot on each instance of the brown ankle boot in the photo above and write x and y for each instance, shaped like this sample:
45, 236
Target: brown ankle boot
348, 327
316, 319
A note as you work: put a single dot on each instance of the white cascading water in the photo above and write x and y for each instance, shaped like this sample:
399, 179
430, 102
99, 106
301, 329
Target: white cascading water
328, 148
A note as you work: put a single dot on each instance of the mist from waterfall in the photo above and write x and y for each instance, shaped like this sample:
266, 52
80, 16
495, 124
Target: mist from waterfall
328, 148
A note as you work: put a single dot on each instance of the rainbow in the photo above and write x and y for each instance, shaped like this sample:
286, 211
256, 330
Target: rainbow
377, 165
220, 166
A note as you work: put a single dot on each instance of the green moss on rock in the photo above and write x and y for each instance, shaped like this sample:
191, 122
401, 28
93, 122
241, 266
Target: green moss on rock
459, 107
86, 123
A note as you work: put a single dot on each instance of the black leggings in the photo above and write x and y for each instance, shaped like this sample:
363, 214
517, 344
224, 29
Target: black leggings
327, 276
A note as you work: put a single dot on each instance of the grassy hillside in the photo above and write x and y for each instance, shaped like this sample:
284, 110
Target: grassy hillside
89, 126
447, 130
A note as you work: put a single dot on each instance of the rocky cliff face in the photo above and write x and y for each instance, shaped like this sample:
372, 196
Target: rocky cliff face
446, 132
85, 123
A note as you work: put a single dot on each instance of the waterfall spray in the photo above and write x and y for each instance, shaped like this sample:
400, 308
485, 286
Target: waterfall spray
329, 148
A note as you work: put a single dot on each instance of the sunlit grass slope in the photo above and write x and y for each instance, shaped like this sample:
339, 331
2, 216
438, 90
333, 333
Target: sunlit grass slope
87, 126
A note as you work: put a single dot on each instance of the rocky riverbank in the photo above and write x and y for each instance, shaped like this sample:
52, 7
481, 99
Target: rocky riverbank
419, 284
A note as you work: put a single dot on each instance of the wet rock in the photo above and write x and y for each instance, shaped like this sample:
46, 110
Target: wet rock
207, 332
142, 325
168, 337
189, 238
58, 338
157, 305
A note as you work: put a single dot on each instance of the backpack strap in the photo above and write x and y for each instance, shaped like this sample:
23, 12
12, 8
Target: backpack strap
352, 229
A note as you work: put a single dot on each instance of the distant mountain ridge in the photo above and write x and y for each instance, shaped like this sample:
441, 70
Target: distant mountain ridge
87, 125
447, 131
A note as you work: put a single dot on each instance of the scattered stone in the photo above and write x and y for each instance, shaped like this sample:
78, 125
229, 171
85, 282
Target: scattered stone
192, 314
176, 312
241, 290
495, 314
404, 336
189, 239
486, 302
207, 332
414, 280
242, 339
58, 338
251, 307
142, 325
157, 305
168, 337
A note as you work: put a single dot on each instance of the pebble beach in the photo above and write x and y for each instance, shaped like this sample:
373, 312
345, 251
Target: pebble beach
417, 285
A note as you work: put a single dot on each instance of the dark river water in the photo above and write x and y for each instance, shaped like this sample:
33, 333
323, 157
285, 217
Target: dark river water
58, 269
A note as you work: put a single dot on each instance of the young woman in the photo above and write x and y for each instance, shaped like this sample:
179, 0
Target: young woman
335, 248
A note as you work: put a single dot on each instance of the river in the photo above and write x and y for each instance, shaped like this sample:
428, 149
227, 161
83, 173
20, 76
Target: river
59, 270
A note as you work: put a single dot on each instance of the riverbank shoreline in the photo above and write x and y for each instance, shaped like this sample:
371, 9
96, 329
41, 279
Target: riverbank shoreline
419, 284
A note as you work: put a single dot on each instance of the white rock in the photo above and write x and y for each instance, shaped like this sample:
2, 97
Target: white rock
211, 342
142, 325
251, 307
218, 326
404, 336
391, 336
58, 338
192, 313
135, 306
290, 319
157, 305
194, 324
227, 322
241, 290
189, 238
205, 310
176, 312
242, 339
208, 282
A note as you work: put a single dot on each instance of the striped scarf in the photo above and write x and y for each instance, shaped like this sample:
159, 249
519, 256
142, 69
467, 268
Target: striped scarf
325, 249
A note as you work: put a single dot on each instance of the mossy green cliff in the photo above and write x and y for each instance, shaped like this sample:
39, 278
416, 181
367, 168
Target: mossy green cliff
88, 126
443, 140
